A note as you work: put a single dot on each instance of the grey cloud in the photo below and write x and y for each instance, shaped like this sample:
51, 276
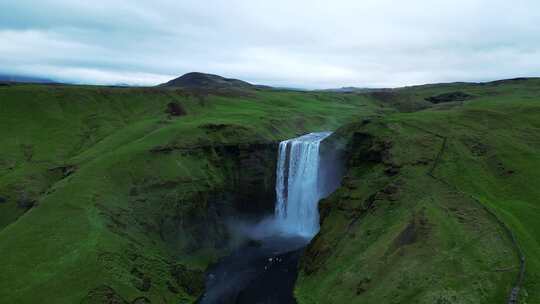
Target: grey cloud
303, 43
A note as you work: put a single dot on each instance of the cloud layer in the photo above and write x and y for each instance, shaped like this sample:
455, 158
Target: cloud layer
310, 44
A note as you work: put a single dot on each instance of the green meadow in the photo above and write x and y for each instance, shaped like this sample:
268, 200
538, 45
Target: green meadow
105, 195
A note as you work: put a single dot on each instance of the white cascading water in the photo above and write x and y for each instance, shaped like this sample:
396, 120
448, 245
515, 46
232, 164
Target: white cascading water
297, 185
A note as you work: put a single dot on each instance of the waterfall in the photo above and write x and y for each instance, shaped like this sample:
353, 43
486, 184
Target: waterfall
297, 185
265, 271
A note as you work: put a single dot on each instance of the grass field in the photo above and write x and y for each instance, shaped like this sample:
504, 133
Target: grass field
412, 238
104, 195
87, 204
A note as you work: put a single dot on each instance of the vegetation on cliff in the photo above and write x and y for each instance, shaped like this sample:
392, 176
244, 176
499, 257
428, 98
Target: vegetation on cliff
122, 194
424, 208
125, 192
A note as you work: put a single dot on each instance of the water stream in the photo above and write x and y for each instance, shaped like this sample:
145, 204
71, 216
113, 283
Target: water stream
264, 270
297, 185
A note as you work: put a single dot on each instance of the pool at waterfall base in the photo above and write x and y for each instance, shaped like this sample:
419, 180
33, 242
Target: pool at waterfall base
264, 269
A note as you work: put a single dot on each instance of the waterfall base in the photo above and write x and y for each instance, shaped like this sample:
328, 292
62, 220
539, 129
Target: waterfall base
265, 271
259, 272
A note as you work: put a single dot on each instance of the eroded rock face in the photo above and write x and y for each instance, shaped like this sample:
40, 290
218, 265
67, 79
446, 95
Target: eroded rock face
65, 170
253, 182
417, 228
192, 281
368, 150
141, 281
449, 97
107, 295
250, 179
249, 171
103, 295
175, 109
26, 203
141, 300
188, 214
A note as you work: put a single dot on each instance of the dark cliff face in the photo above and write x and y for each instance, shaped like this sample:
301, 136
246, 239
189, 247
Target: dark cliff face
200, 219
190, 216
252, 178
332, 164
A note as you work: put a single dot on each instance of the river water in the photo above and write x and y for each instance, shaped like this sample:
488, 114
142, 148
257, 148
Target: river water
264, 269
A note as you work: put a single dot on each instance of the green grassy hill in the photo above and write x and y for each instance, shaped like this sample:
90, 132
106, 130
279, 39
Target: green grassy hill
105, 194
410, 223
113, 194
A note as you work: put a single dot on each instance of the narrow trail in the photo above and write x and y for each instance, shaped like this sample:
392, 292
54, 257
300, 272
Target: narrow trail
513, 297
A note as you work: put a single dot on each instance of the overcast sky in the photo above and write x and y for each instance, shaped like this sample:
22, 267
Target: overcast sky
294, 43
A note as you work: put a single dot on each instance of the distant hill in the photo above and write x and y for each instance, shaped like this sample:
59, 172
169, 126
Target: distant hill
131, 191
196, 80
25, 79
430, 85
348, 90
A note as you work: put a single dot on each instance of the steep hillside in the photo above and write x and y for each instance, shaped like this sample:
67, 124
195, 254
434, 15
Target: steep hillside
424, 208
120, 193
123, 195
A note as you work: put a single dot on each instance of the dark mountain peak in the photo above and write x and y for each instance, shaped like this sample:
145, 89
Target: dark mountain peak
23, 79
207, 81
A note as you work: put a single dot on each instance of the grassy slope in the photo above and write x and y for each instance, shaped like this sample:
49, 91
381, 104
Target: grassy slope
454, 252
98, 225
427, 241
